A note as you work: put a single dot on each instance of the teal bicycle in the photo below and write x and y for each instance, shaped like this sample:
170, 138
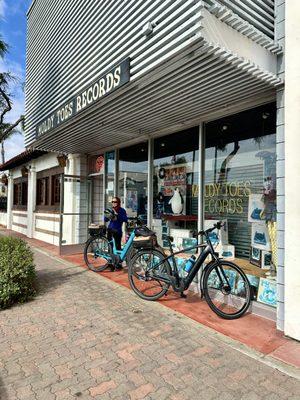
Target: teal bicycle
101, 253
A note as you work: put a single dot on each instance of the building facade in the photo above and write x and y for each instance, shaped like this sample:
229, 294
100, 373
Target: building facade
178, 107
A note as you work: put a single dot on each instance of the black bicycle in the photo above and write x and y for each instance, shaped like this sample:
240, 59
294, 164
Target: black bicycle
223, 284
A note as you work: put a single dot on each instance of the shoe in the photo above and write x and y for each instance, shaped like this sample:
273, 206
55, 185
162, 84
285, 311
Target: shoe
119, 267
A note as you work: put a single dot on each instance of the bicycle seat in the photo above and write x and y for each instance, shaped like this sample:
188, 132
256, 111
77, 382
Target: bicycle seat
144, 231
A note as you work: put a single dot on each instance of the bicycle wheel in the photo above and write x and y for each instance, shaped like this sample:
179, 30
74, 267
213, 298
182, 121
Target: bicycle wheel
226, 290
144, 274
97, 253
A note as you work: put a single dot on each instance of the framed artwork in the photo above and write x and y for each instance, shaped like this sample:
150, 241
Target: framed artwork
260, 238
266, 259
267, 292
255, 208
255, 256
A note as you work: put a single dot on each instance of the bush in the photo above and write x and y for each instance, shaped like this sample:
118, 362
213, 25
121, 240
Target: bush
17, 272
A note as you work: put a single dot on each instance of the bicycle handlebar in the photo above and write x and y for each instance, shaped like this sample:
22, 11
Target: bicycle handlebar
218, 225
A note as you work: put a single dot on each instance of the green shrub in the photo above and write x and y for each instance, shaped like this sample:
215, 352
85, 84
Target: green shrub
17, 271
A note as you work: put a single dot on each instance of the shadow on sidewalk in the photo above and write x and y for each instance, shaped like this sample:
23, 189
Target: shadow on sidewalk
3, 392
49, 280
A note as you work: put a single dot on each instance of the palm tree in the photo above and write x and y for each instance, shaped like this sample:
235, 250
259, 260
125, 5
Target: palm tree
6, 129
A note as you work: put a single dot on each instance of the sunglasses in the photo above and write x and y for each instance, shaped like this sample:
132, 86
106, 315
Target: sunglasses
114, 202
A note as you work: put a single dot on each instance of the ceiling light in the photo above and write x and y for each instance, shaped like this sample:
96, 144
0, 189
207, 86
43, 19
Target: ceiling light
148, 28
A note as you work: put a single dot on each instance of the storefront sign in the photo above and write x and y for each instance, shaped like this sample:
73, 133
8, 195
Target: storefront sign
107, 83
226, 198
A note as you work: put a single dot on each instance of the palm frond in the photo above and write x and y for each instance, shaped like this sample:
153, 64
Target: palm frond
3, 47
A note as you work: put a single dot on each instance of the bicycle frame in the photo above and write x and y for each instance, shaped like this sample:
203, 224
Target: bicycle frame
122, 253
180, 284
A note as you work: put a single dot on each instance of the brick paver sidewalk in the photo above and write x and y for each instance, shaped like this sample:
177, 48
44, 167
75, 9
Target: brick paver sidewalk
86, 337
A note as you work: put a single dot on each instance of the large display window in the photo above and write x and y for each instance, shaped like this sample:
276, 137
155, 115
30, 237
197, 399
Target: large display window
175, 186
240, 189
133, 180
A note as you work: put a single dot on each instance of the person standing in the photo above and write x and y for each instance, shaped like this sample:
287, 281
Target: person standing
116, 222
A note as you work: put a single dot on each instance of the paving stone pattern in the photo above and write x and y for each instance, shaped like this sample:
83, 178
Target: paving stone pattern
85, 337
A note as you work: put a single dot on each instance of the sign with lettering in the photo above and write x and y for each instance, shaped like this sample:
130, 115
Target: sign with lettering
226, 198
107, 83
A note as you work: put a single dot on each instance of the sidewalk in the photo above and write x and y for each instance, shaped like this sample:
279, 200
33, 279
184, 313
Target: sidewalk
87, 337
258, 333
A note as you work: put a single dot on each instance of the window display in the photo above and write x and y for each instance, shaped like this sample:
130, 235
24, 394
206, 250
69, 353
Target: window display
175, 185
240, 188
133, 180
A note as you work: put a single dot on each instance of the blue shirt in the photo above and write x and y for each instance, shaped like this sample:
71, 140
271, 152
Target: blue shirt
117, 224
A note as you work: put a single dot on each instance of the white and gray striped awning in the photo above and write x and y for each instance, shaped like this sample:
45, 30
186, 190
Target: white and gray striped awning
220, 70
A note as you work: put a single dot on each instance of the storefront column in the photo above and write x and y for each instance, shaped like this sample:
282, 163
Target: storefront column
116, 180
292, 170
10, 194
31, 202
150, 183
201, 177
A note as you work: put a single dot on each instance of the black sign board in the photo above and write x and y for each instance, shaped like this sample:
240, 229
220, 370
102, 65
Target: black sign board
107, 83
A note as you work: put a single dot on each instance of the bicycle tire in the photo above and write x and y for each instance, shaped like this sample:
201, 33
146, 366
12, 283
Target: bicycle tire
139, 261
97, 263
215, 290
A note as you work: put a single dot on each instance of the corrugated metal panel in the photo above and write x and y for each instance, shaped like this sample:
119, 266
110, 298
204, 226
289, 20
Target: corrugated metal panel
259, 13
71, 43
201, 80
226, 15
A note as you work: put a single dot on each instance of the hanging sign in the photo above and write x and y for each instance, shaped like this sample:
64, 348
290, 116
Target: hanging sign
103, 86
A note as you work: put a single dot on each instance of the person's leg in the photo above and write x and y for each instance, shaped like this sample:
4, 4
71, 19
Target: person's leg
118, 239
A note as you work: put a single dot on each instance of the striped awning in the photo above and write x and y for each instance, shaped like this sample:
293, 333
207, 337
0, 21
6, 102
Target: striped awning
204, 80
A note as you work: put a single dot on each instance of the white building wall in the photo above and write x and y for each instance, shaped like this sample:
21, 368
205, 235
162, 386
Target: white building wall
292, 170
3, 218
280, 149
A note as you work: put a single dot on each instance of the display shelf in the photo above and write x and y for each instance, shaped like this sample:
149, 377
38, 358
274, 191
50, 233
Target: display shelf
172, 217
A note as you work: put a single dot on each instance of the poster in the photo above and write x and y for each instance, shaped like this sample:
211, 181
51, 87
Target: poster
260, 238
255, 208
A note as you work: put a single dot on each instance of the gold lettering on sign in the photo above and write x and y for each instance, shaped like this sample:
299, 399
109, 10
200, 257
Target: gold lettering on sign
226, 198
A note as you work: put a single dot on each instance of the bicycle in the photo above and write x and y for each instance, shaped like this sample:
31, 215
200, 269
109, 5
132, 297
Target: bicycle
223, 284
101, 253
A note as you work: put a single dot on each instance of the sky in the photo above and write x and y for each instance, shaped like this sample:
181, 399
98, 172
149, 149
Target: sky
13, 32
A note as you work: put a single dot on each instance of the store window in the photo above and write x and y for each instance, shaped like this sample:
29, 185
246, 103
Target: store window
240, 189
20, 193
133, 177
109, 177
175, 186
48, 186
42, 191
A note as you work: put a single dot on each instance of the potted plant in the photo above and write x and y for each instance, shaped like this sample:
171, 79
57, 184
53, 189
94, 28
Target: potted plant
62, 160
